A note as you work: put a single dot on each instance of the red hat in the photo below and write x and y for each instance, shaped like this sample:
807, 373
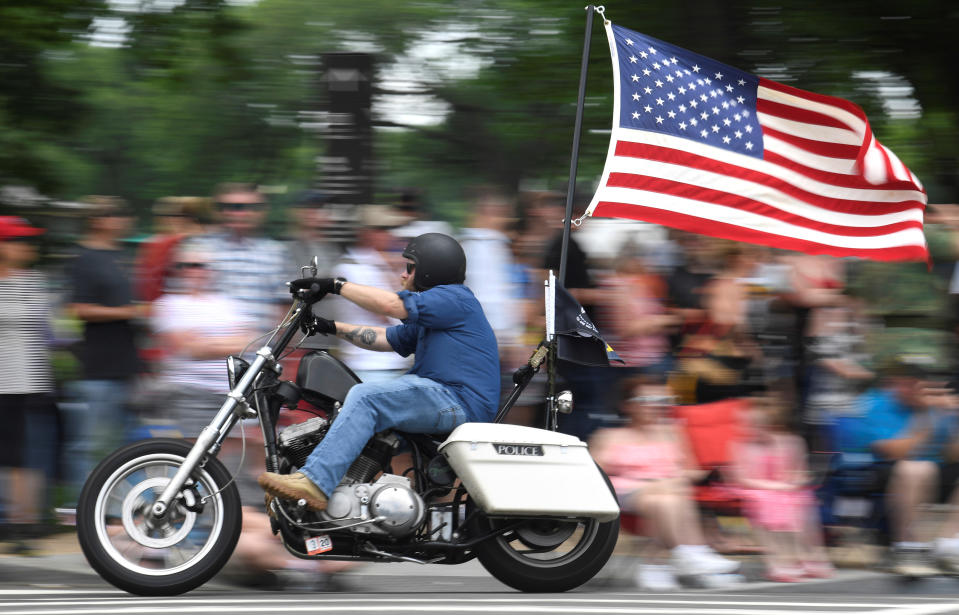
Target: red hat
13, 226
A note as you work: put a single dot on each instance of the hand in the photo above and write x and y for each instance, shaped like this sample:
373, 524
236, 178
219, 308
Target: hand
322, 285
319, 325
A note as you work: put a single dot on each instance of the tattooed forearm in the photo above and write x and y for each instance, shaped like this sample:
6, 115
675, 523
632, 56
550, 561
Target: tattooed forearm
361, 336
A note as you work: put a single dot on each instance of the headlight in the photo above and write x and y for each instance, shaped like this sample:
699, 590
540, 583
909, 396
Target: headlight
235, 368
564, 402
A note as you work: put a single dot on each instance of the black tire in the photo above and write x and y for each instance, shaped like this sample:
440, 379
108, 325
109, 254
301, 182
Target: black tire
508, 557
173, 559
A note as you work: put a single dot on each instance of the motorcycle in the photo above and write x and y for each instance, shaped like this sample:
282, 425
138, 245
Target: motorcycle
162, 516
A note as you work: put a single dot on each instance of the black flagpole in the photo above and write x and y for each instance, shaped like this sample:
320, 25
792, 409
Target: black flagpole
577, 129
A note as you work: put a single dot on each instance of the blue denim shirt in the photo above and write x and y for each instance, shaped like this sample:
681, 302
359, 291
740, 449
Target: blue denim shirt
453, 344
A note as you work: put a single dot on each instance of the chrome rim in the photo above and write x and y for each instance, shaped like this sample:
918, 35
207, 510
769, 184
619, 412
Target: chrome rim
516, 543
133, 539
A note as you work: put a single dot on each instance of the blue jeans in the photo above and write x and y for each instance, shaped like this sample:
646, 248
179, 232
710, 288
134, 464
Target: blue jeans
408, 403
93, 427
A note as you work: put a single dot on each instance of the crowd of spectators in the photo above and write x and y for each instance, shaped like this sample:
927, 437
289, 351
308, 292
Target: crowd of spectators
850, 358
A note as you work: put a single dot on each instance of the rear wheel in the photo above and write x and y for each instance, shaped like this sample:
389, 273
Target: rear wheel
143, 555
546, 555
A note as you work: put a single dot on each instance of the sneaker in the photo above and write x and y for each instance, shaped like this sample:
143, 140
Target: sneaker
910, 561
693, 560
656, 578
946, 554
293, 487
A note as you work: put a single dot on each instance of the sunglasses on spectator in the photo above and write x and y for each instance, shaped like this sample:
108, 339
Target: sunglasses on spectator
239, 206
410, 267
191, 265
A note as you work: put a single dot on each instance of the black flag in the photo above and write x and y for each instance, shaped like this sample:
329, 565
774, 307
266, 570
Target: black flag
579, 341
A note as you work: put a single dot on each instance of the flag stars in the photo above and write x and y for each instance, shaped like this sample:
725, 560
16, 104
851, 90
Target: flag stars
659, 101
738, 117
708, 81
741, 100
692, 85
729, 88
712, 94
695, 68
670, 78
652, 51
659, 119
682, 125
726, 121
749, 128
648, 90
656, 65
693, 103
726, 140
635, 115
682, 108
635, 96
635, 78
681, 90
745, 113
704, 115
714, 128
647, 72
658, 83
703, 133
679, 73
648, 109
671, 114
719, 75
703, 97
671, 96
725, 104
733, 103
673, 60
629, 42
633, 59
749, 145
742, 82
739, 134
686, 71
643, 55
715, 110
693, 121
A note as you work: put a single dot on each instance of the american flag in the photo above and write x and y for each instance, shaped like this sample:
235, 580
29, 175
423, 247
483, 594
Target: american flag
707, 148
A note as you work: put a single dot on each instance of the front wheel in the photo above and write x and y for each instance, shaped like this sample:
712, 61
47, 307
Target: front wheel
547, 555
131, 549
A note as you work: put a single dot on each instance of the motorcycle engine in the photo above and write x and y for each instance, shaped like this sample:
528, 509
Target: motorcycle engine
296, 442
397, 509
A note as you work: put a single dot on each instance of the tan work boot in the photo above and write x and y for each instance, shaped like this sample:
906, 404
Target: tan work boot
293, 487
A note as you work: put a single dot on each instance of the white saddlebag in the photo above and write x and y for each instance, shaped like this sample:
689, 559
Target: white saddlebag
523, 471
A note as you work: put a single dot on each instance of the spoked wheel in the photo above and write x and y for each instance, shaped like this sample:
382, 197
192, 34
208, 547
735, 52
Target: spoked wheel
550, 555
139, 553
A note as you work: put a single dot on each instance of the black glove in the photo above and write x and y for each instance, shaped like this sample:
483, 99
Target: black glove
319, 325
321, 286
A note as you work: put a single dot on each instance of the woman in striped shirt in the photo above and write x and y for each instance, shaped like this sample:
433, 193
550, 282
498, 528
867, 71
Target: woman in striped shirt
26, 380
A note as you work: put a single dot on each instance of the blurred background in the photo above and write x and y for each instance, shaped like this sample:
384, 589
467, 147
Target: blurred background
342, 129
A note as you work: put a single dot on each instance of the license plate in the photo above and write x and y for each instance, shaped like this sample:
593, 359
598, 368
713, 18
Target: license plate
318, 544
525, 450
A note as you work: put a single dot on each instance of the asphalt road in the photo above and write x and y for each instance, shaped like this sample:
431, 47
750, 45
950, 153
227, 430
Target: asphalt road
63, 585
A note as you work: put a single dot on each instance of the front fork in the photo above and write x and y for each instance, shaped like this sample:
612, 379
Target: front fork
211, 438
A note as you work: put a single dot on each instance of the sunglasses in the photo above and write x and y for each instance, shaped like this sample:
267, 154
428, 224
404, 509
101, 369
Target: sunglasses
410, 267
239, 206
191, 265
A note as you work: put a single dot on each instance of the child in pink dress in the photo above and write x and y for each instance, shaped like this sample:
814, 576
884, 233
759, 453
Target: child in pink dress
769, 468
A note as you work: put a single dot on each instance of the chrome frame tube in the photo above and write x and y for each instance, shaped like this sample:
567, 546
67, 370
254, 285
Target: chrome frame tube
212, 435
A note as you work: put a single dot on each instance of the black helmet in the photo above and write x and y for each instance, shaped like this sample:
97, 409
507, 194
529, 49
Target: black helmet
439, 260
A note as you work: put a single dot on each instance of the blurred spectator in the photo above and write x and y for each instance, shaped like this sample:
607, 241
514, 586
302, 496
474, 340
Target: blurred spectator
197, 327
174, 219
249, 269
101, 297
490, 273
311, 219
368, 263
651, 468
769, 467
715, 355
634, 316
26, 381
410, 203
909, 426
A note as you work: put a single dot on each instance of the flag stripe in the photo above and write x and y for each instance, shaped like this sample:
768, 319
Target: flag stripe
822, 148
824, 134
815, 162
801, 115
723, 230
822, 195
733, 184
728, 199
847, 113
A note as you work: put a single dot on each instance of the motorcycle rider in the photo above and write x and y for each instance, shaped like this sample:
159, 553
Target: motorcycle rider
455, 375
